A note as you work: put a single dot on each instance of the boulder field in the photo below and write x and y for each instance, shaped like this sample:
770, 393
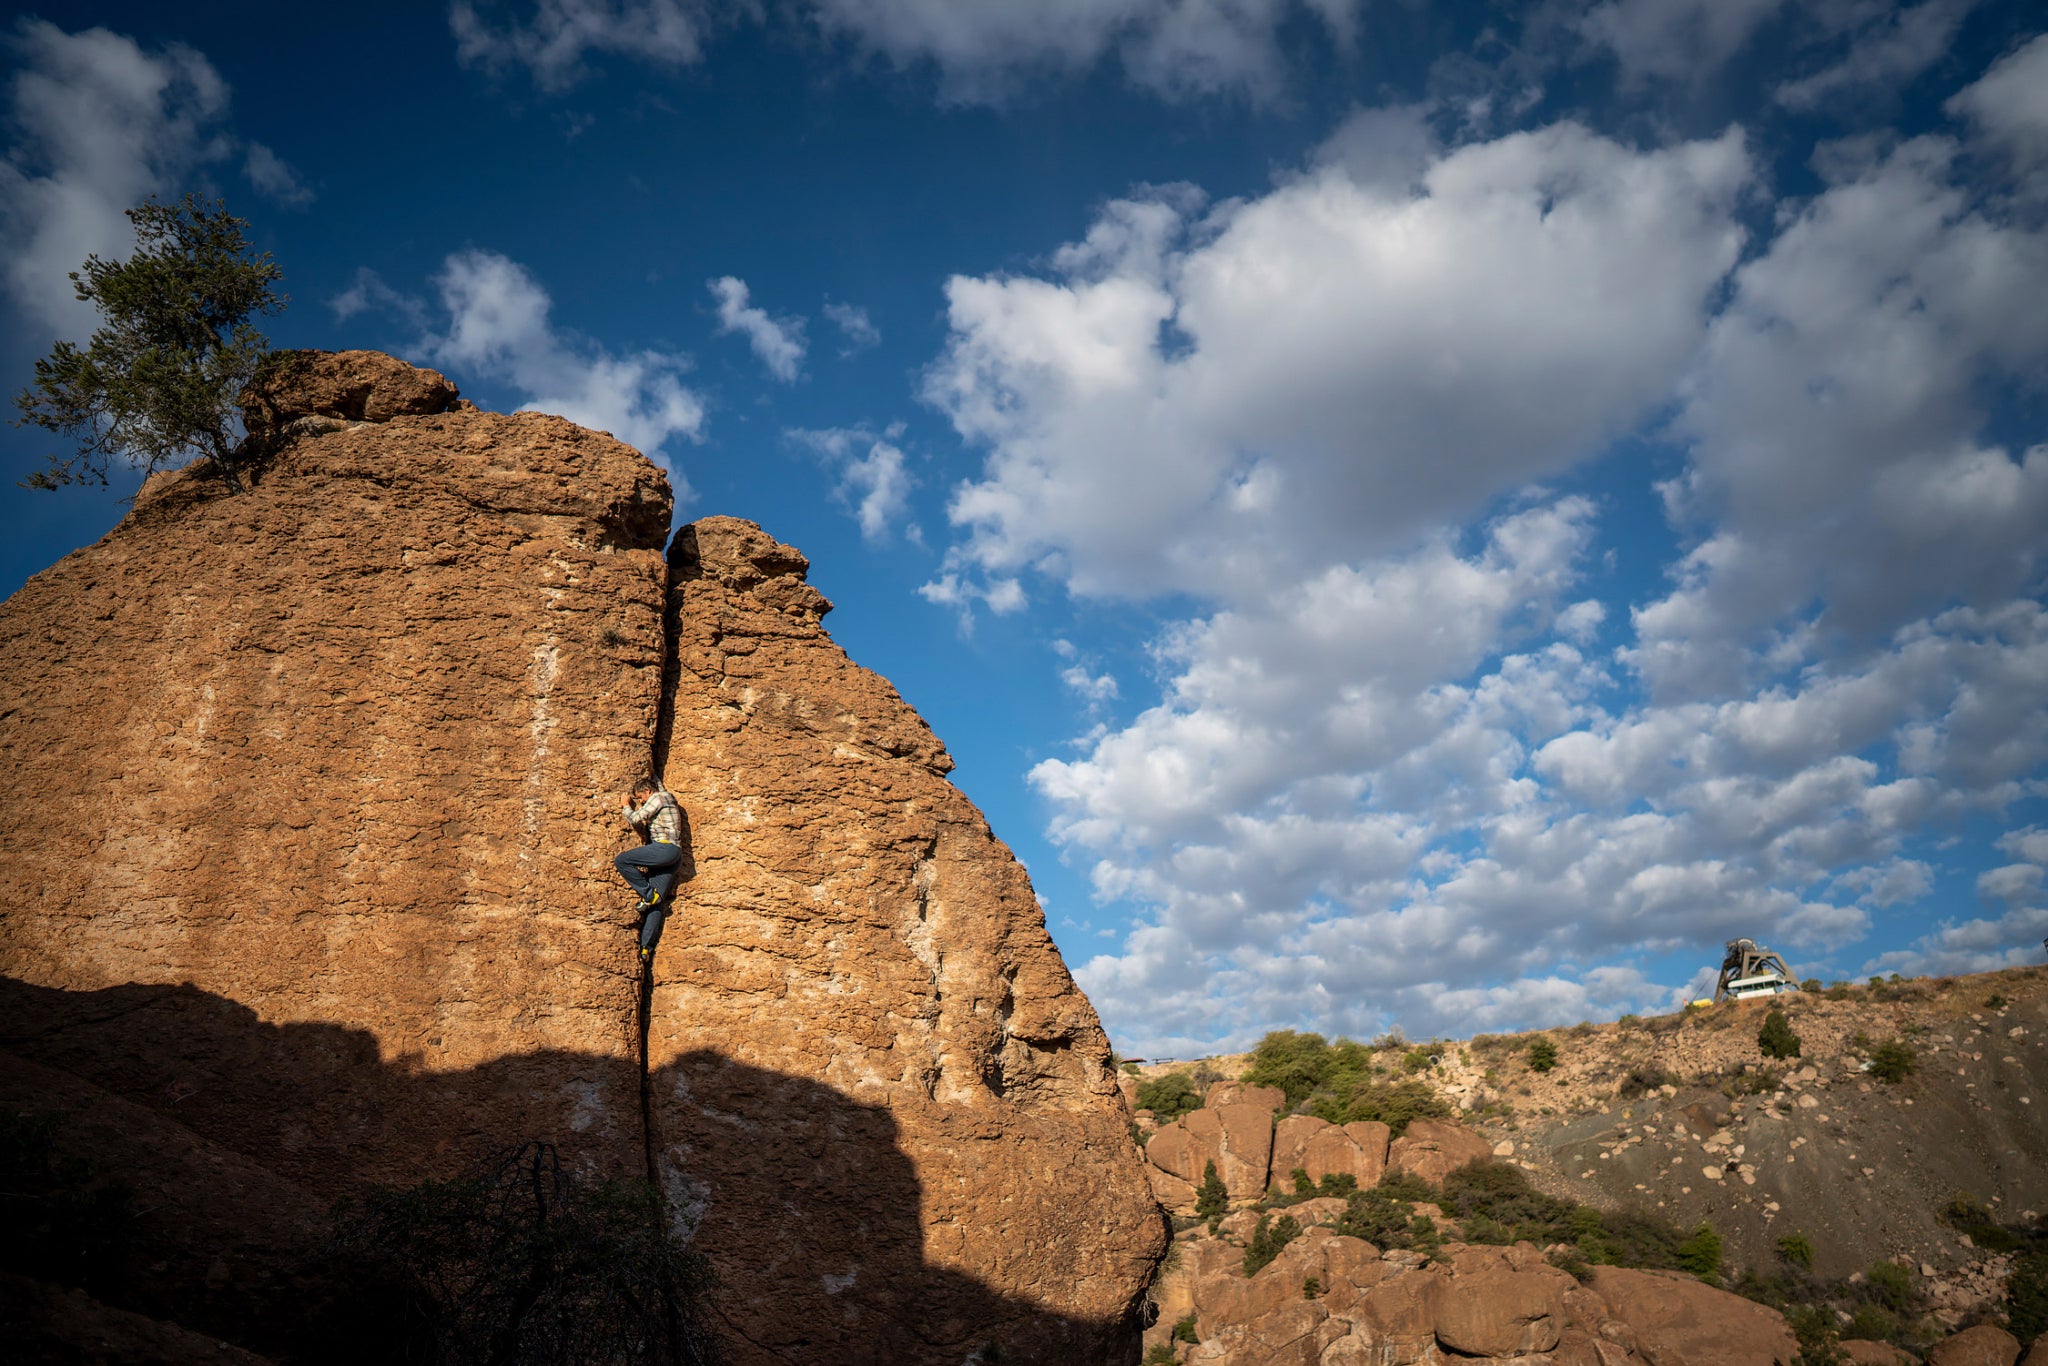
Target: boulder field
308, 799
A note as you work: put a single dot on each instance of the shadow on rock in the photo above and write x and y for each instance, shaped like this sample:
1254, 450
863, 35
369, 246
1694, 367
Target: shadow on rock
236, 1139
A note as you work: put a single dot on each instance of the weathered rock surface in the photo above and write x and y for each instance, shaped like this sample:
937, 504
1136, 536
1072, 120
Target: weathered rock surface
1434, 1148
1471, 1303
1984, 1345
49, 1325
854, 930
309, 803
1357, 1149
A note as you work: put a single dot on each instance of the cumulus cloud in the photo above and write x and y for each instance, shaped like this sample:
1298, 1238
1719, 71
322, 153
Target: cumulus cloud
777, 342
874, 480
1673, 39
1897, 45
1201, 400
99, 124
274, 179
498, 328
554, 43
2009, 104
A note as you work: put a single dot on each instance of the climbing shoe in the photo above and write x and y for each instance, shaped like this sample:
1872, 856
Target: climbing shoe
646, 956
651, 899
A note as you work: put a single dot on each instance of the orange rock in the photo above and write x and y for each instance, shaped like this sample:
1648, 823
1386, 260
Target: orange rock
1223, 1093
1434, 1148
1866, 1353
346, 386
343, 754
1984, 1345
1674, 1316
1499, 1313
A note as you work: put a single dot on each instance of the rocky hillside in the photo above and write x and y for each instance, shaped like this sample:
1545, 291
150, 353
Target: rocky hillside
1904, 1134
308, 799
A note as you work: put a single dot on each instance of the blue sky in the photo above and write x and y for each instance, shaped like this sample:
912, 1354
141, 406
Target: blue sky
1426, 515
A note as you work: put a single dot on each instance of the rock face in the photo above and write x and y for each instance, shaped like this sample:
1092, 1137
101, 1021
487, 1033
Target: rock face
307, 805
859, 960
1473, 1303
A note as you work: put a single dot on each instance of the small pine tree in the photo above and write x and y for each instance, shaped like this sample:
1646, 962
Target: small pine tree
1211, 1199
158, 382
1542, 1055
1776, 1038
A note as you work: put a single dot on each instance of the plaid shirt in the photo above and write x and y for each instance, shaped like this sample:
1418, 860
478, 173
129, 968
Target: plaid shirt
661, 816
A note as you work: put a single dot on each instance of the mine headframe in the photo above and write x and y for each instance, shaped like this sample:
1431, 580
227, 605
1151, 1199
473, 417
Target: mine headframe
1750, 969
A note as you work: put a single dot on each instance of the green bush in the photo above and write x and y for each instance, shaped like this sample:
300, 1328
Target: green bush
1964, 1214
1542, 1055
1893, 1061
1872, 1323
2026, 1295
1395, 1104
1162, 1354
1776, 1038
1311, 1288
1996, 1002
1701, 1254
1304, 1184
1891, 1283
1812, 985
1267, 1240
1796, 1249
1643, 1079
1170, 1096
1212, 1199
1184, 1331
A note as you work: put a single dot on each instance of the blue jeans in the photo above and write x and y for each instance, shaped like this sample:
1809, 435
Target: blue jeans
651, 868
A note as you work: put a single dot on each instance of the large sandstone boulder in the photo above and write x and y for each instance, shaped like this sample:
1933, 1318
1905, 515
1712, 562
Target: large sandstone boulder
1502, 1313
342, 387
307, 805
1864, 1352
1223, 1093
1676, 1317
1434, 1148
859, 966
1238, 1138
1357, 1150
1984, 1345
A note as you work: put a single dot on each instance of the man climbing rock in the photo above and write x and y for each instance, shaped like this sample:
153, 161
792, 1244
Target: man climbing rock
651, 869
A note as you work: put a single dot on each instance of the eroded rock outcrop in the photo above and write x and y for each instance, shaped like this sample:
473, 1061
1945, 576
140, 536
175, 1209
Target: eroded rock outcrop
853, 926
307, 803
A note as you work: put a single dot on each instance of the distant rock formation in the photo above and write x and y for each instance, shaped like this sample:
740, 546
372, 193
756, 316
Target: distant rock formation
307, 804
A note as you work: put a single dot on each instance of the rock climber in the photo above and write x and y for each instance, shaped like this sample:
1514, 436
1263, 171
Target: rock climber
651, 869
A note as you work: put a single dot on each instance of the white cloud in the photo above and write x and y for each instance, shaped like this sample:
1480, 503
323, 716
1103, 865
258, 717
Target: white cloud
274, 179
981, 51
854, 324
1001, 596
777, 342
1212, 404
2010, 103
2030, 844
1674, 39
99, 124
873, 477
554, 43
498, 328
1837, 471
368, 293
1897, 45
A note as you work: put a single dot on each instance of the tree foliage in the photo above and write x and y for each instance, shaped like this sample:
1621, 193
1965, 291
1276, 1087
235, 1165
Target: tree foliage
158, 382
1169, 1097
1212, 1199
1542, 1055
1776, 1038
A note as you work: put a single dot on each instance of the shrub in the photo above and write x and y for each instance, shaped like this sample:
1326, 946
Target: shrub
1701, 1254
1212, 1201
1184, 1331
1170, 1096
1776, 1038
1267, 1240
1796, 1249
2026, 1295
1811, 984
1628, 1021
1892, 1061
1965, 1215
1542, 1055
1304, 1184
1418, 1059
1311, 1288
1838, 991
1814, 1326
1162, 1354
1643, 1079
1872, 1323
1891, 1283
1995, 1002
1394, 1104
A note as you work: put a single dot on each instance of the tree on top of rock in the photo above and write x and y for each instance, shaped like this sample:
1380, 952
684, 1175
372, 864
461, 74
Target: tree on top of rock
156, 386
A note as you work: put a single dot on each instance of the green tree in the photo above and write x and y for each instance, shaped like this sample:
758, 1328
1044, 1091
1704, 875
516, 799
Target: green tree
1701, 1254
1776, 1038
1542, 1055
1169, 1097
1212, 1200
157, 385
